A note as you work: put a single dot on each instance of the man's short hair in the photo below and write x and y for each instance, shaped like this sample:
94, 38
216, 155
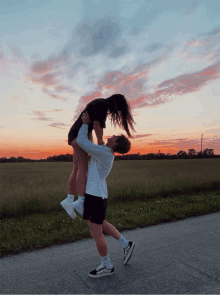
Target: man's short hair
123, 145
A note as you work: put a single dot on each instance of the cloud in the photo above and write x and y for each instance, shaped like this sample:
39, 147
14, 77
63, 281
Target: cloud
206, 46
72, 70
46, 73
134, 136
14, 49
142, 136
64, 88
129, 82
41, 67
41, 116
213, 122
184, 143
153, 47
54, 96
193, 8
55, 110
184, 84
213, 32
15, 97
1, 55
95, 36
58, 125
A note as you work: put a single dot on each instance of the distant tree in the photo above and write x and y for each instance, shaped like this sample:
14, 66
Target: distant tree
3, 160
151, 156
20, 159
182, 155
13, 159
208, 152
191, 152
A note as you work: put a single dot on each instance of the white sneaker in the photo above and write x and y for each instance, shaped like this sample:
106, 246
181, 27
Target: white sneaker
79, 206
68, 206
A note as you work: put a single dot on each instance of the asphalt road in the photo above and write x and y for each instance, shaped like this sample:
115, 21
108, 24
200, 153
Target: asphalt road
181, 257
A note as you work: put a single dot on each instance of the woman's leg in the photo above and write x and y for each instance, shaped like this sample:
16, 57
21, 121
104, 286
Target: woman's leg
81, 158
82, 162
73, 175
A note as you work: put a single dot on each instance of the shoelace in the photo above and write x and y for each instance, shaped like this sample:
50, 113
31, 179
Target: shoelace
126, 250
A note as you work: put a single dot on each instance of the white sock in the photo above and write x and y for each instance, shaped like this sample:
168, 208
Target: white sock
123, 242
81, 199
70, 198
106, 261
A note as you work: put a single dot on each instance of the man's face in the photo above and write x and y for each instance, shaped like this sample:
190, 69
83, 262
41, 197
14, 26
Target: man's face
113, 139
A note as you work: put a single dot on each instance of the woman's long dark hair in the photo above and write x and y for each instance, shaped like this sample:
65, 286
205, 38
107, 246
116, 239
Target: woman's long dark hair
120, 112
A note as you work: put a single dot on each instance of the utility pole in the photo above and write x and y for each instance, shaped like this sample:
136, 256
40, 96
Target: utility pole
201, 142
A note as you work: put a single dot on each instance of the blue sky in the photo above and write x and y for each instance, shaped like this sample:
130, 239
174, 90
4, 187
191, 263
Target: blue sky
56, 56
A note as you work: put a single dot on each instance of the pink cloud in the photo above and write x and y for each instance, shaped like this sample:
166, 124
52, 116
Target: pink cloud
206, 46
61, 88
58, 125
41, 116
133, 86
45, 73
55, 110
41, 67
54, 96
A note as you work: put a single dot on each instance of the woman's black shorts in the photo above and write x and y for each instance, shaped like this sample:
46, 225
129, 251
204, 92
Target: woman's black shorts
94, 209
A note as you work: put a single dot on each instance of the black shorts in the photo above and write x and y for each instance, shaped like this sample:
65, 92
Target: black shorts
74, 130
94, 209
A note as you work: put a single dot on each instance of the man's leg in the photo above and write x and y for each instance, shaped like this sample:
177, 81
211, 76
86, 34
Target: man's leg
100, 241
111, 230
127, 246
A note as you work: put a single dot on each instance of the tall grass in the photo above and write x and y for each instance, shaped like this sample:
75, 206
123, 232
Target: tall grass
27, 188
141, 193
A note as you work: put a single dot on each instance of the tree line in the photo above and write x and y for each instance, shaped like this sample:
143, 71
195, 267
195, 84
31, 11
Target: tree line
192, 154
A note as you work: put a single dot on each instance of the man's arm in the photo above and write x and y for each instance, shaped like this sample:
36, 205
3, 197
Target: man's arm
87, 145
98, 131
82, 140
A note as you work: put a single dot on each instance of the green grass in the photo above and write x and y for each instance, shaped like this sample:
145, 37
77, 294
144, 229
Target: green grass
141, 193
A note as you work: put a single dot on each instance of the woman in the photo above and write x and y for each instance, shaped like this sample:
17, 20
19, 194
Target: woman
119, 109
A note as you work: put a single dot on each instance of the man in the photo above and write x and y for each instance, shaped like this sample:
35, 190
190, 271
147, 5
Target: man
96, 195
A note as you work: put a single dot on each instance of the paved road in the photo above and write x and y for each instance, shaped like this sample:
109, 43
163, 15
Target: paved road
181, 257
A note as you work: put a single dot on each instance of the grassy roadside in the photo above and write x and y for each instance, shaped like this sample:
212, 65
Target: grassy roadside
46, 229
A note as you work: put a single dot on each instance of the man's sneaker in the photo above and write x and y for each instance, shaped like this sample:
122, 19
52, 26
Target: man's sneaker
101, 271
128, 251
68, 206
79, 206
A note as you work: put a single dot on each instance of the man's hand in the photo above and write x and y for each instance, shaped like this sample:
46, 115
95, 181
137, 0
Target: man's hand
100, 142
85, 118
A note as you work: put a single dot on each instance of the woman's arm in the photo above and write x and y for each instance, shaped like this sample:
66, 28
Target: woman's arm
98, 131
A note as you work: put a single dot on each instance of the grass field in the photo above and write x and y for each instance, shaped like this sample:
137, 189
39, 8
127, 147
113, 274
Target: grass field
141, 193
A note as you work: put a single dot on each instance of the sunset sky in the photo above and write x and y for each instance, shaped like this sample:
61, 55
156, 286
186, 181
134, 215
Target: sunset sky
56, 56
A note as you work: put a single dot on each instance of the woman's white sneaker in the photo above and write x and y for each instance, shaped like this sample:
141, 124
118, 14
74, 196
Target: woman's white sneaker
79, 206
68, 206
